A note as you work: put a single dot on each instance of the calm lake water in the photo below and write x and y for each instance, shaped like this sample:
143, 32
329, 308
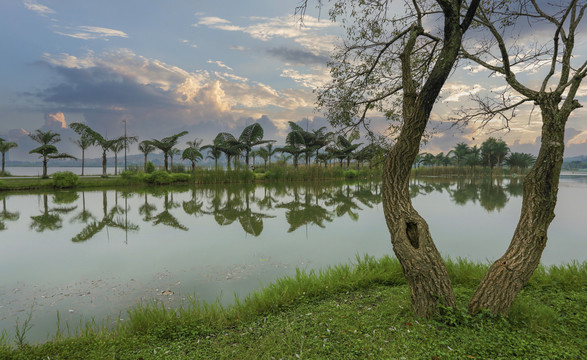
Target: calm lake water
96, 253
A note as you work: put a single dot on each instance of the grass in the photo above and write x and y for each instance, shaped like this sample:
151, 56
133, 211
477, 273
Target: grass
345, 312
199, 176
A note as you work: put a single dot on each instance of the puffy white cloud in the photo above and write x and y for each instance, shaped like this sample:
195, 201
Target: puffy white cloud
456, 91
55, 120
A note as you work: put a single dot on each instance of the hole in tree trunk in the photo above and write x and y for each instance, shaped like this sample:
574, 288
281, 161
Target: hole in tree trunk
412, 233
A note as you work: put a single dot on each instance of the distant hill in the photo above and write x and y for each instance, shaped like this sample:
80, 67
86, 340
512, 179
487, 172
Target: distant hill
580, 158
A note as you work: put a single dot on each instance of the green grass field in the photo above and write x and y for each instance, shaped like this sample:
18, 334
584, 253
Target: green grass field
345, 312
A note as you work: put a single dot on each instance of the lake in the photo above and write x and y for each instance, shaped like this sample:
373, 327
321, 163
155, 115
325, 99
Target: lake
96, 253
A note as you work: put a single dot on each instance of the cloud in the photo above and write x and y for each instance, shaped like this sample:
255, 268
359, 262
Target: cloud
55, 120
93, 32
297, 57
220, 64
218, 23
155, 97
38, 8
310, 36
456, 91
310, 80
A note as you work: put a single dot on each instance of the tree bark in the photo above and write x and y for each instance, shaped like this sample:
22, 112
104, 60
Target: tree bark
412, 243
104, 163
511, 272
421, 262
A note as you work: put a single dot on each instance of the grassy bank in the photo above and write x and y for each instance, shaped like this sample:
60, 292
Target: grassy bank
199, 176
345, 312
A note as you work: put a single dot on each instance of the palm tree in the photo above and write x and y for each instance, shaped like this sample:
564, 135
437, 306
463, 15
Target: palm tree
252, 135
166, 145
192, 154
263, 154
146, 148
520, 160
214, 154
460, 151
47, 150
493, 151
294, 145
346, 148
270, 151
83, 143
320, 139
228, 144
5, 146
172, 153
116, 148
97, 139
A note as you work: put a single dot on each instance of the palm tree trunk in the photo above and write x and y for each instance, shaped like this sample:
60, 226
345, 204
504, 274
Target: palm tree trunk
145, 165
104, 163
44, 166
115, 163
83, 161
3, 156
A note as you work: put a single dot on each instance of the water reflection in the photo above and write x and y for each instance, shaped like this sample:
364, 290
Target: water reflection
248, 205
111, 218
6, 215
491, 194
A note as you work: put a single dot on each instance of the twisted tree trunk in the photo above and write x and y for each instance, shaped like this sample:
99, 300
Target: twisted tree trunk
511, 272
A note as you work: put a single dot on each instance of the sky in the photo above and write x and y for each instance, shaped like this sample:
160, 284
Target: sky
206, 66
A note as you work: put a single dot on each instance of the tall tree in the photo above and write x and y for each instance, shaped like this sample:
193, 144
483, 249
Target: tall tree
295, 145
252, 135
146, 148
192, 153
394, 60
98, 140
47, 150
5, 146
228, 144
84, 142
555, 97
460, 151
166, 145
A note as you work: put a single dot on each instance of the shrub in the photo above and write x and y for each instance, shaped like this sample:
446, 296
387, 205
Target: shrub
180, 177
159, 177
150, 167
2, 184
64, 179
351, 174
128, 175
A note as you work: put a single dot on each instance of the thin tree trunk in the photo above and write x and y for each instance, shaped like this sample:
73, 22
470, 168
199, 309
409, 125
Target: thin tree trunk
115, 163
511, 272
3, 156
145, 164
83, 161
104, 163
44, 167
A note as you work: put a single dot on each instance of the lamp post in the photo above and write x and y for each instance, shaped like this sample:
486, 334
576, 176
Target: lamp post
125, 145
